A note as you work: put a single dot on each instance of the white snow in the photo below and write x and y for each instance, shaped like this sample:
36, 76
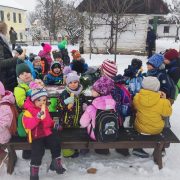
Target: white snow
113, 166
11, 3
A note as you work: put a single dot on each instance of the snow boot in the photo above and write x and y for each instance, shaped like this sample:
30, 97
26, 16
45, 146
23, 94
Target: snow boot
102, 151
34, 172
57, 166
140, 153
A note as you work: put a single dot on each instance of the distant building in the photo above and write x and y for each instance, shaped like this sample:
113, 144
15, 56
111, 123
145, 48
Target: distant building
14, 15
133, 38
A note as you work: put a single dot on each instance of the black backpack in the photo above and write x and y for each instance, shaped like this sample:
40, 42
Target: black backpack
107, 126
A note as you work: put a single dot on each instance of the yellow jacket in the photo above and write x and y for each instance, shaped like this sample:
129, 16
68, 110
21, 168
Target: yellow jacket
150, 110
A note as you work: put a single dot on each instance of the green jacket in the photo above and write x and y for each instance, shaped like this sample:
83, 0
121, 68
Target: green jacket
20, 93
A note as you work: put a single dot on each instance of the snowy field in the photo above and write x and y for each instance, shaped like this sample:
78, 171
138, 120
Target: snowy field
113, 166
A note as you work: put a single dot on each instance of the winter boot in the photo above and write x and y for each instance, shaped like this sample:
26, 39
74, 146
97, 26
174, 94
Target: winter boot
102, 151
124, 152
140, 153
34, 172
57, 166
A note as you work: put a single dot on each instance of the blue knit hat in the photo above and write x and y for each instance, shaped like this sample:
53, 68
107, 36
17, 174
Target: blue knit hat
156, 60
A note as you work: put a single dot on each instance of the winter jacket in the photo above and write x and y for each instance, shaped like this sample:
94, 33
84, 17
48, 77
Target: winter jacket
89, 116
13, 36
150, 112
70, 118
39, 128
20, 93
151, 38
79, 66
53, 79
8, 73
6, 117
5, 52
46, 55
38, 73
65, 57
30, 65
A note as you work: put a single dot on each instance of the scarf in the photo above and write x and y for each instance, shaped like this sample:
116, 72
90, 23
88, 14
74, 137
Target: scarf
75, 92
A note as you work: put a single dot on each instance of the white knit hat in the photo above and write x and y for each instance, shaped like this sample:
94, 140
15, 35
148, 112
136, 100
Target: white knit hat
151, 83
72, 77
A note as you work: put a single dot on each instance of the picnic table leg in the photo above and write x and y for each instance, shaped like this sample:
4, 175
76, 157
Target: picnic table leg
11, 159
157, 154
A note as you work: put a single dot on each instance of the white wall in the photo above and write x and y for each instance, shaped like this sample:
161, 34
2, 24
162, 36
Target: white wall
172, 30
134, 39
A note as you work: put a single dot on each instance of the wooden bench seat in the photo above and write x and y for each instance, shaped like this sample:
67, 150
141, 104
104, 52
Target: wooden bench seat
78, 139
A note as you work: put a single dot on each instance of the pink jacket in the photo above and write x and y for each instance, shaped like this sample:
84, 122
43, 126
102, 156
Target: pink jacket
6, 117
46, 55
39, 128
89, 116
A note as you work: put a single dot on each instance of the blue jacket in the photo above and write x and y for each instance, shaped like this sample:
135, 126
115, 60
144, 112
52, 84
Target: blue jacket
79, 66
29, 63
53, 79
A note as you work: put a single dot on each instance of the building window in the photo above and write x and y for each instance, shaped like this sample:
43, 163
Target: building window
14, 17
8, 16
20, 19
1, 15
166, 29
21, 36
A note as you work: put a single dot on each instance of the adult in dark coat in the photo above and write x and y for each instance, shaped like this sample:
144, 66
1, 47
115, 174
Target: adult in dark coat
7, 63
150, 41
13, 37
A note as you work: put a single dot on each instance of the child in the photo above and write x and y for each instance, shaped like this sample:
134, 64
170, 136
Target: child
58, 57
78, 64
46, 53
151, 107
24, 77
37, 67
71, 106
172, 62
101, 91
55, 76
155, 68
8, 119
134, 74
39, 122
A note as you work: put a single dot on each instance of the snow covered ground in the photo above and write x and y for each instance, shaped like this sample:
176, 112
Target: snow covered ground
113, 166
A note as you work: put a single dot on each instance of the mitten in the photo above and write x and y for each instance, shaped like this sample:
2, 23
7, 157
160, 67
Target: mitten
39, 114
69, 100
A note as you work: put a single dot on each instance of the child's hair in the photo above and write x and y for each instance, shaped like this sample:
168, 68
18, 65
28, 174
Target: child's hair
137, 63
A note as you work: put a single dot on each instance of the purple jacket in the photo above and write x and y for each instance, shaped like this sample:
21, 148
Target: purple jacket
89, 116
6, 117
46, 55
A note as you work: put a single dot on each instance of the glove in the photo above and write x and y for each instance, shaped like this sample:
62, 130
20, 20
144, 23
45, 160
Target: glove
39, 114
57, 126
69, 100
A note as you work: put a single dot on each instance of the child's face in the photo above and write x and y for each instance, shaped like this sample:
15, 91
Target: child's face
37, 63
166, 61
25, 77
149, 67
56, 70
73, 85
40, 101
59, 59
79, 58
94, 93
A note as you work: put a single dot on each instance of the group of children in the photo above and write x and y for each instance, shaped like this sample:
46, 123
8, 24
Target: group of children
146, 97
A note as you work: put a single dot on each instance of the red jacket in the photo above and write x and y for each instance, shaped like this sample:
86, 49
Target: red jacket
39, 128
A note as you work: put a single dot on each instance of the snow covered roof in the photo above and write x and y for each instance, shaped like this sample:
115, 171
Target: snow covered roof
12, 4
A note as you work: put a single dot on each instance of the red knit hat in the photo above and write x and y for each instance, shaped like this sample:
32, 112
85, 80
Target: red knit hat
109, 68
76, 55
171, 54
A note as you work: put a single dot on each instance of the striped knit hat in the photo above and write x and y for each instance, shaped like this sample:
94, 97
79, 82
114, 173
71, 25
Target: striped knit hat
37, 93
109, 68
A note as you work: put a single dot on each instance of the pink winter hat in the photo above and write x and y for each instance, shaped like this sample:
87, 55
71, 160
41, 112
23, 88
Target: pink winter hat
109, 68
46, 47
103, 86
2, 89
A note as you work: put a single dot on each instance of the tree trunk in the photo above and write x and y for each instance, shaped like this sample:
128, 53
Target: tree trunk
116, 38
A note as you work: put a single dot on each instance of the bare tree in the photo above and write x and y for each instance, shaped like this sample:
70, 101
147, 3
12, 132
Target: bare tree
32, 16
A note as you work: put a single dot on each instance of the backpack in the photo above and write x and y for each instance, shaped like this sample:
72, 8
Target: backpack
107, 126
13, 127
123, 100
134, 85
22, 131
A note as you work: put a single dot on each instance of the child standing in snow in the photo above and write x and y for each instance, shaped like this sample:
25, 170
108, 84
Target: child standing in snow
8, 119
38, 121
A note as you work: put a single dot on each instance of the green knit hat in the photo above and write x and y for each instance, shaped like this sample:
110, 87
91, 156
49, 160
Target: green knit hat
20, 68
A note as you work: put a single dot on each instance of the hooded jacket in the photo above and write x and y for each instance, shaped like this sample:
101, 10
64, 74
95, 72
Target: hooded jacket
6, 117
39, 128
150, 110
89, 116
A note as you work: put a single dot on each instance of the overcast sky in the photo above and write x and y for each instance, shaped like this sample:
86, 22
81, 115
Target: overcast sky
27, 4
